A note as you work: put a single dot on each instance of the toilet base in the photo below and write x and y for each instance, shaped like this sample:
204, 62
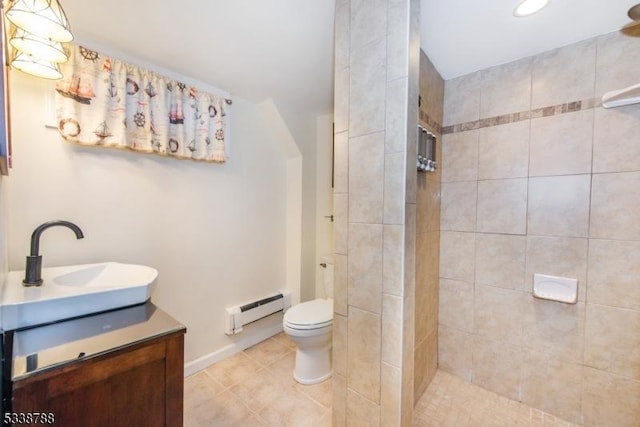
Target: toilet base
312, 367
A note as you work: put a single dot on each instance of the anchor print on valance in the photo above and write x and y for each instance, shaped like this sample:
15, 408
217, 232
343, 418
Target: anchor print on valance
103, 101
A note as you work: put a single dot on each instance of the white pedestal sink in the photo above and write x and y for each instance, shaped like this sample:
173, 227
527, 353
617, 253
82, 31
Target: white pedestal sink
73, 291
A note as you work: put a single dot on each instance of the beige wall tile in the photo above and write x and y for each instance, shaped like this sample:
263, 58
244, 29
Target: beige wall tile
500, 260
553, 386
498, 313
368, 21
422, 301
432, 355
410, 173
365, 266
390, 400
428, 204
615, 148
610, 400
361, 412
557, 256
553, 328
397, 47
455, 352
614, 272
456, 305
410, 263
339, 406
340, 223
564, 75
504, 151
339, 353
368, 85
396, 116
341, 100
502, 206
612, 343
458, 206
420, 380
506, 88
561, 144
366, 183
431, 88
394, 188
364, 354
611, 197
559, 205
392, 315
618, 59
428, 256
392, 259
462, 99
340, 284
426, 363
460, 156
341, 163
496, 367
457, 255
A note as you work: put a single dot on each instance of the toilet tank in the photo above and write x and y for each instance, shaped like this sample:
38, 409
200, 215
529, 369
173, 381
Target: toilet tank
326, 261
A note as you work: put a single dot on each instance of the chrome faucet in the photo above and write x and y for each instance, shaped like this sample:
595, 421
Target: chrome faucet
33, 271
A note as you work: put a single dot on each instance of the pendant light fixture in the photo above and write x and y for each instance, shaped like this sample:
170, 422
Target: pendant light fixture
44, 18
37, 67
40, 28
38, 47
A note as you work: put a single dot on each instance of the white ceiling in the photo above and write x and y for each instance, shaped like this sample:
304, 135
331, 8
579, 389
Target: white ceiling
463, 36
283, 49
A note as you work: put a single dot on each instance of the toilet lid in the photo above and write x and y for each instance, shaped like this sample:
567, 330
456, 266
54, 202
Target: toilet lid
317, 312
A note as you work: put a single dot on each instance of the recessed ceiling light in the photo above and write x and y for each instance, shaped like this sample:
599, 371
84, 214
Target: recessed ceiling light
529, 7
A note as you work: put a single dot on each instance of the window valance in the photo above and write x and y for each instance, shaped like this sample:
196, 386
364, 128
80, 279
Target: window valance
103, 101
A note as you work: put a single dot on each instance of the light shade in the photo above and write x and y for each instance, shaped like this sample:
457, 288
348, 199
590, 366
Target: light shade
44, 18
34, 66
529, 7
33, 45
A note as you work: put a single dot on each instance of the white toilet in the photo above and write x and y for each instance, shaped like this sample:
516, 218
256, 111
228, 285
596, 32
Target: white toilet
308, 324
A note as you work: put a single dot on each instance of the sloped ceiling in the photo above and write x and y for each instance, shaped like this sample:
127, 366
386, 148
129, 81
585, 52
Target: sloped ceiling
280, 49
283, 49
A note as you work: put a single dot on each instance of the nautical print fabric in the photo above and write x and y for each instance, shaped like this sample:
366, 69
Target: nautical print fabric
103, 101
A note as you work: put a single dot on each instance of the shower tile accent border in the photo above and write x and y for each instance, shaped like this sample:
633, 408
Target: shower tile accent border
430, 122
553, 110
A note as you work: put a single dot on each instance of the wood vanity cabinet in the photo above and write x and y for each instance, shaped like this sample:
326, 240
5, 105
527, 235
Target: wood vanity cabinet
137, 385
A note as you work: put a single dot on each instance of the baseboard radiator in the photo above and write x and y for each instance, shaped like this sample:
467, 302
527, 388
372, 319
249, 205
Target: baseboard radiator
241, 315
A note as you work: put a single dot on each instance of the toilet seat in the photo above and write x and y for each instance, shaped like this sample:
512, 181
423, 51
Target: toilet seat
314, 314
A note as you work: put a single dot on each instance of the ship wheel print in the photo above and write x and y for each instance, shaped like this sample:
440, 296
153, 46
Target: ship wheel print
220, 135
173, 145
87, 54
139, 119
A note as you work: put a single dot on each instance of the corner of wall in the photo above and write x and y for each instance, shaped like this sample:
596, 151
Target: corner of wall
280, 131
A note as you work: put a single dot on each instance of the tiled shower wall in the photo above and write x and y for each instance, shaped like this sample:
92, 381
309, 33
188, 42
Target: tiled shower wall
538, 178
428, 234
376, 97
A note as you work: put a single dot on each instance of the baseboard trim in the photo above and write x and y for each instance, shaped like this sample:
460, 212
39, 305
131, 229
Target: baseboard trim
207, 360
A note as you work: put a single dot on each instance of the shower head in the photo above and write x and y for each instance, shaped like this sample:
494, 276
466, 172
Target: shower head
634, 12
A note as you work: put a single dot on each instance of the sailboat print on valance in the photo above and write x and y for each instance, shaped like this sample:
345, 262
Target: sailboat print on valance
103, 101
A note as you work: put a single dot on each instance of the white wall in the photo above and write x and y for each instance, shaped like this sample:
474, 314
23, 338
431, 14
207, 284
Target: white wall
216, 233
324, 196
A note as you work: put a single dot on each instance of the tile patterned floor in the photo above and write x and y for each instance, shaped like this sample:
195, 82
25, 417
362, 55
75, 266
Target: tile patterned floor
256, 388
452, 402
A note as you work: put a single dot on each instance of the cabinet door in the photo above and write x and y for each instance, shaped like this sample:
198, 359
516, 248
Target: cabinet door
141, 386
